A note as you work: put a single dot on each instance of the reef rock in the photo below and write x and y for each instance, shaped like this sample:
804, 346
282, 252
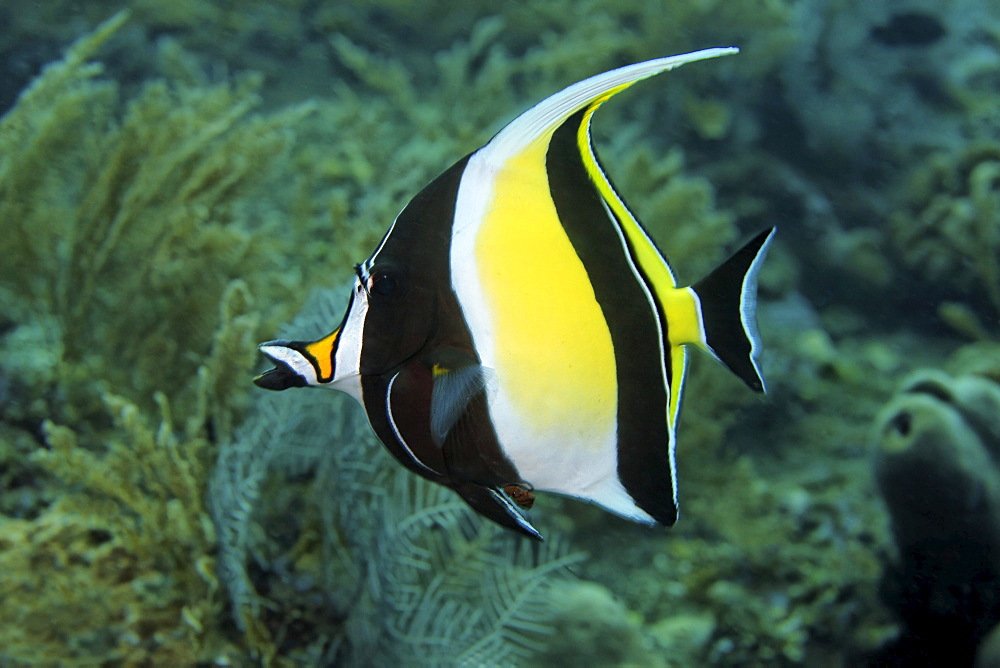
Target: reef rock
936, 466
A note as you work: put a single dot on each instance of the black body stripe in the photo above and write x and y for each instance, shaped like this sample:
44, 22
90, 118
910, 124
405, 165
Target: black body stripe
417, 253
417, 326
660, 313
643, 438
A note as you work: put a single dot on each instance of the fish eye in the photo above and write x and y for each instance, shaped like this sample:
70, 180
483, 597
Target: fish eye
382, 283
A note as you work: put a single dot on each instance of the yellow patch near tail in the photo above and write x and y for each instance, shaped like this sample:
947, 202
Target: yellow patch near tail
678, 365
683, 317
553, 348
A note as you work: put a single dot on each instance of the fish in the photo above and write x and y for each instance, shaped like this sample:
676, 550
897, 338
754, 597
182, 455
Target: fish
517, 329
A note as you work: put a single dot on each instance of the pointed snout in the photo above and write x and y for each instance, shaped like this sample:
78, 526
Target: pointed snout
291, 367
298, 363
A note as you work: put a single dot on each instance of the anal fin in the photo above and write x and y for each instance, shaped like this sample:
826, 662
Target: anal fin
491, 502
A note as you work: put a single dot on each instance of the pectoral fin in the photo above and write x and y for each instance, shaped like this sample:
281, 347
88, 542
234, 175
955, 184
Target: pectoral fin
460, 423
454, 389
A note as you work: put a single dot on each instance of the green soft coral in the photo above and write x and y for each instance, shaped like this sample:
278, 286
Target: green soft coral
127, 307
126, 231
119, 568
118, 565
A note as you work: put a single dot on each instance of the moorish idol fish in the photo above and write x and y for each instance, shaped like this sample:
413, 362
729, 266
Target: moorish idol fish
517, 329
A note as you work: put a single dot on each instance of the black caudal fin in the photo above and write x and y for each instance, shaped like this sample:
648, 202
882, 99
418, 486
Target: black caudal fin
728, 298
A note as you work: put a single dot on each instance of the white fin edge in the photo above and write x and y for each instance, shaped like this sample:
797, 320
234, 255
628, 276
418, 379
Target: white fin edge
551, 112
748, 307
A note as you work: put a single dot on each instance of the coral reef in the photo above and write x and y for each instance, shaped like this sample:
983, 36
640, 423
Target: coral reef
161, 215
938, 469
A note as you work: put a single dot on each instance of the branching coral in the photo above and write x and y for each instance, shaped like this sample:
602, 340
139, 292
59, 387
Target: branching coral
119, 563
119, 567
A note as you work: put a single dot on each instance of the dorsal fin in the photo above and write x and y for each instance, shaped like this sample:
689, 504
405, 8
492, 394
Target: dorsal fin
543, 119
539, 123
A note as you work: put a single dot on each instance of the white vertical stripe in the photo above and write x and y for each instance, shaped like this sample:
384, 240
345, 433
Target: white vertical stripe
347, 359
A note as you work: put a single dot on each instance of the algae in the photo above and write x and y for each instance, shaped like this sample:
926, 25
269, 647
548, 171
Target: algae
949, 231
107, 206
119, 567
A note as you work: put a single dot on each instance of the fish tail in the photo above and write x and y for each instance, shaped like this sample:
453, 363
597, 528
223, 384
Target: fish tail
728, 304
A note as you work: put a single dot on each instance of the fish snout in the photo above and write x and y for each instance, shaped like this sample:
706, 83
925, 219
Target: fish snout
292, 367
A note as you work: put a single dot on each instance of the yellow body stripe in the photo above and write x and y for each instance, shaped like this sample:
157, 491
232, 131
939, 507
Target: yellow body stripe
322, 352
680, 306
552, 344
678, 364
653, 265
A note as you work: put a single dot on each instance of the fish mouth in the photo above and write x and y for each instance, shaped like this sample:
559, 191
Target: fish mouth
282, 376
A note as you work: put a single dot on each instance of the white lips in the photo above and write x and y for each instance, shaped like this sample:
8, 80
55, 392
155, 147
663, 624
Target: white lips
293, 359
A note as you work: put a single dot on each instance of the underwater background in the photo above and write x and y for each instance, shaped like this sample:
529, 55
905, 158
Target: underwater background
180, 178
